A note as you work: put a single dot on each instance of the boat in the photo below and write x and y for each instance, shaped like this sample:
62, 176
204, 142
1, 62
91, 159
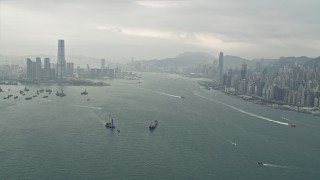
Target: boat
118, 130
45, 96
28, 98
1, 89
260, 163
5, 98
48, 90
25, 88
182, 97
61, 94
291, 125
21, 92
41, 90
153, 124
84, 92
16, 97
34, 96
110, 124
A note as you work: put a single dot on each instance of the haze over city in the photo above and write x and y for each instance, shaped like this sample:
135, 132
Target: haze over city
160, 29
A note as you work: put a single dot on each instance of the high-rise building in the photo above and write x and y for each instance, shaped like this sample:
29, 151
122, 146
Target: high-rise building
38, 68
46, 70
33, 70
103, 63
244, 71
70, 69
29, 68
61, 63
221, 68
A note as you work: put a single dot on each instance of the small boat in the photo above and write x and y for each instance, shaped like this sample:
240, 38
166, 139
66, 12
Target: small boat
25, 88
48, 90
291, 125
260, 163
118, 130
21, 92
45, 96
110, 124
5, 98
28, 98
182, 97
84, 92
153, 124
34, 96
88, 99
16, 97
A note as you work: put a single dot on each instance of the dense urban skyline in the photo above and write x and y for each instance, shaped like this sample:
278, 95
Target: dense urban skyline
159, 29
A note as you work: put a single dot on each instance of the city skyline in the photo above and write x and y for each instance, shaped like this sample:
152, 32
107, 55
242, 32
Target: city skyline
120, 29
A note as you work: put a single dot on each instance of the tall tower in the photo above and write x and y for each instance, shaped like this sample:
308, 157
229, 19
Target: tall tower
61, 63
46, 72
38, 68
221, 68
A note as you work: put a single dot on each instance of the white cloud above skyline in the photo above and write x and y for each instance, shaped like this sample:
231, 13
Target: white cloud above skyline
149, 29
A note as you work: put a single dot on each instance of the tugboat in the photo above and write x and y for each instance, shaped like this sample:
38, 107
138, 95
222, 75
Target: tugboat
110, 124
84, 92
153, 124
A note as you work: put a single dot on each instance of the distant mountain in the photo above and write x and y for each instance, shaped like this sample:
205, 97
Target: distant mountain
186, 59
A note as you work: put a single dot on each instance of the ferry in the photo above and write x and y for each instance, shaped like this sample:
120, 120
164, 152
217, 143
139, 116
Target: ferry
153, 124
110, 124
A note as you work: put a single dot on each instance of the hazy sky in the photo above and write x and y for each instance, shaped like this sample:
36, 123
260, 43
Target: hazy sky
156, 29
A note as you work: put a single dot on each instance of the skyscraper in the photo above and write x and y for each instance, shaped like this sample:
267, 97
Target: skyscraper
70, 69
221, 68
38, 68
61, 63
244, 71
29, 68
46, 72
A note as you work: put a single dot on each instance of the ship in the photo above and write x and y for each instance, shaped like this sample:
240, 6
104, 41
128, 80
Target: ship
25, 88
291, 125
153, 124
110, 124
61, 94
84, 92
48, 90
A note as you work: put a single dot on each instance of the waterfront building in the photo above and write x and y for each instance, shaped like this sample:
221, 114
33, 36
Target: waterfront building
61, 63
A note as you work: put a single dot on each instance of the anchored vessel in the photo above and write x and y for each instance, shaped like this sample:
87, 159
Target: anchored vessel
110, 124
153, 124
84, 92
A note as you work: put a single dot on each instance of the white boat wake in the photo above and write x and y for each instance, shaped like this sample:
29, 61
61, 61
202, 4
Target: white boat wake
243, 111
171, 95
99, 108
274, 165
